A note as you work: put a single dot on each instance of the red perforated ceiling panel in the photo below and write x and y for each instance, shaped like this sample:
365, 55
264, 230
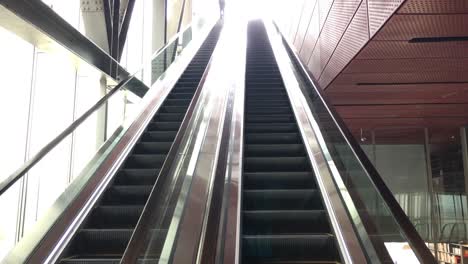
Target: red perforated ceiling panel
356, 36
403, 49
380, 11
406, 27
407, 65
434, 6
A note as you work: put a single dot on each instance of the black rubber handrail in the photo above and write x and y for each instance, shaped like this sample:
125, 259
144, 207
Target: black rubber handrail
417, 243
19, 173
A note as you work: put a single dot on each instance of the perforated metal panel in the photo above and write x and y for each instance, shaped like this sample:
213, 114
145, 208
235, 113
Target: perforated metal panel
406, 27
296, 15
422, 73
380, 11
407, 65
314, 62
401, 78
324, 9
375, 123
434, 6
355, 37
413, 94
311, 36
403, 49
402, 111
304, 23
339, 18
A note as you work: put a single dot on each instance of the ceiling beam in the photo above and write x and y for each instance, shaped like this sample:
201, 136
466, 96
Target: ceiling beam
39, 25
127, 15
108, 20
36, 18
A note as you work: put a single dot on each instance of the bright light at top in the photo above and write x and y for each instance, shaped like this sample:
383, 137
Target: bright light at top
254, 9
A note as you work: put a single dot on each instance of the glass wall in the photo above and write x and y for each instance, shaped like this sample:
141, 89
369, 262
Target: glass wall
44, 92
425, 169
14, 111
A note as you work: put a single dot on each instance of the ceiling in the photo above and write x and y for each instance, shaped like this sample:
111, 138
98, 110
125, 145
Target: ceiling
412, 73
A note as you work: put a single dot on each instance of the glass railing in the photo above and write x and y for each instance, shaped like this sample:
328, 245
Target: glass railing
155, 233
57, 168
378, 219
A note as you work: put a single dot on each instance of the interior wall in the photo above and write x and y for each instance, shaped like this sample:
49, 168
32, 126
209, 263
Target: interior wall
327, 34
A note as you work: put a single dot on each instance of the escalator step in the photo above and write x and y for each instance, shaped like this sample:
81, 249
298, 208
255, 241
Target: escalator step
285, 222
186, 84
173, 109
184, 90
277, 118
127, 195
106, 242
270, 110
105, 261
169, 117
271, 150
289, 248
155, 136
176, 102
179, 95
275, 103
272, 95
291, 199
272, 138
120, 216
117, 216
271, 128
164, 126
145, 161
152, 148
136, 176
257, 164
279, 180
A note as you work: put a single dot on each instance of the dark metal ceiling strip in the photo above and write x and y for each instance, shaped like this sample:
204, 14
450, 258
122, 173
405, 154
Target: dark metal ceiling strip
115, 29
51, 24
108, 21
125, 25
179, 25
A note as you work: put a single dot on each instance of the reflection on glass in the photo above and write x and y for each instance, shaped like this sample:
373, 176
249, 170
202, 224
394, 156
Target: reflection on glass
375, 224
68, 10
447, 160
437, 203
46, 93
165, 58
16, 75
9, 202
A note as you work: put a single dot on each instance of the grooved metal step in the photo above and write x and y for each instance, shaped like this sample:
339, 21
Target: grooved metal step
278, 180
285, 222
286, 248
271, 150
260, 164
282, 199
272, 138
136, 176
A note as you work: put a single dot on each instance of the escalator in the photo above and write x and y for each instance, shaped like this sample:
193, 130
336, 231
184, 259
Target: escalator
105, 233
283, 216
